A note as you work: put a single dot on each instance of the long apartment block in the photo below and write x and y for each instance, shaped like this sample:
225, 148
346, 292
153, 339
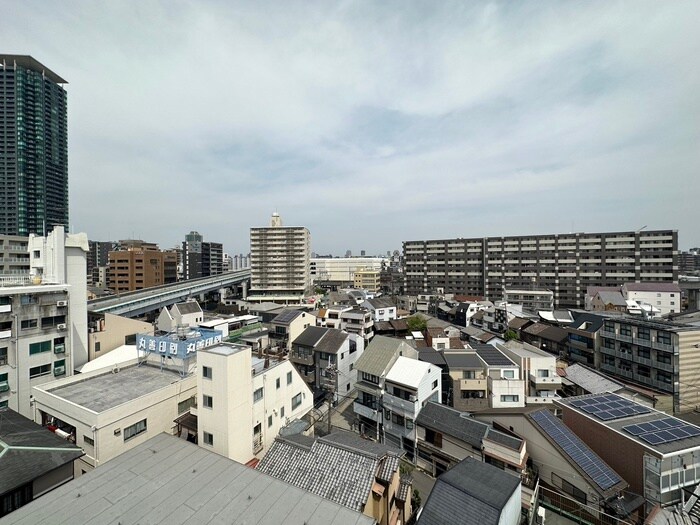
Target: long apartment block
566, 264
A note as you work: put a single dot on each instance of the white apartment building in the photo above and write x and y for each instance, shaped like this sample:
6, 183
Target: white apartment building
243, 400
43, 318
279, 263
408, 386
342, 270
330, 316
109, 411
538, 370
665, 297
530, 299
382, 309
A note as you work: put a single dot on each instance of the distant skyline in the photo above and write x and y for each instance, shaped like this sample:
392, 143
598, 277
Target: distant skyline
373, 123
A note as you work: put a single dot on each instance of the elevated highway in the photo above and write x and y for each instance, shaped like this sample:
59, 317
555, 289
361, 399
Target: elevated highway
138, 303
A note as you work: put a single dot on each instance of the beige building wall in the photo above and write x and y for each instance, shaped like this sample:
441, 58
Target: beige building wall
689, 370
110, 333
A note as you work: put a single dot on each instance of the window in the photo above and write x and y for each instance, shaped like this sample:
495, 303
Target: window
468, 374
369, 378
434, 438
643, 371
441, 346
135, 430
397, 419
207, 401
208, 439
296, 401
435, 383
289, 378
269, 421
28, 299
281, 411
37, 348
59, 367
662, 358
342, 355
277, 383
50, 322
663, 338
409, 424
568, 488
97, 346
664, 377
89, 441
608, 360
26, 324
258, 395
643, 353
39, 371
509, 399
3, 356
206, 372
543, 373
508, 374
643, 333
353, 346
4, 404
626, 330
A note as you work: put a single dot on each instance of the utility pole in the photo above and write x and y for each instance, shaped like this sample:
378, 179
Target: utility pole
331, 374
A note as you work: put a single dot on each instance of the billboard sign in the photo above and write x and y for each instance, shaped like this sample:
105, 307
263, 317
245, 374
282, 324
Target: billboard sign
173, 346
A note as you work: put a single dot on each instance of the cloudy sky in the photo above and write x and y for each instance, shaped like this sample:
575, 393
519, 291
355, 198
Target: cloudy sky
373, 122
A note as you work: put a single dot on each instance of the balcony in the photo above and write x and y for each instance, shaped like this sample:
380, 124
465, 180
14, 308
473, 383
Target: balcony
398, 405
549, 383
365, 411
257, 443
662, 346
473, 384
301, 359
308, 377
540, 400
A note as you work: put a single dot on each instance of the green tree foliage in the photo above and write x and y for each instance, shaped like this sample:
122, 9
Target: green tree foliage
416, 323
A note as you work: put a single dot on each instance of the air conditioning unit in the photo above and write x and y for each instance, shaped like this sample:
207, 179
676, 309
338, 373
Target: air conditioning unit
59, 370
61, 326
62, 303
412, 399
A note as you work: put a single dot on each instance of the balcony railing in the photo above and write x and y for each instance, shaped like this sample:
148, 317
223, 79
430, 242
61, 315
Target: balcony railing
473, 384
257, 443
396, 404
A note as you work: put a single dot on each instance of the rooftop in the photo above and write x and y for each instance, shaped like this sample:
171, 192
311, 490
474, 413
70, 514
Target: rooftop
28, 450
492, 356
188, 307
107, 390
457, 360
590, 380
380, 353
525, 349
29, 62
408, 372
471, 492
311, 336
670, 436
226, 349
652, 287
168, 480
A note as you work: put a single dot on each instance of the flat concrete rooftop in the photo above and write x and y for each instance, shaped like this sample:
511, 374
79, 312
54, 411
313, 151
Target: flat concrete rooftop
108, 390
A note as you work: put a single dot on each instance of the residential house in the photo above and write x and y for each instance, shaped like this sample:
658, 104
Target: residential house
330, 316
33, 461
408, 386
289, 324
550, 338
382, 308
473, 492
325, 358
372, 367
583, 338
358, 321
188, 313
537, 368
345, 469
446, 436
665, 297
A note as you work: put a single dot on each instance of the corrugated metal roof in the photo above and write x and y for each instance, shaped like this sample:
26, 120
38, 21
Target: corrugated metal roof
379, 355
408, 372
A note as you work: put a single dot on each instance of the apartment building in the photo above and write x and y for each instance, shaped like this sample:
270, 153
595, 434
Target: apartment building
358, 321
14, 256
201, 258
664, 297
367, 279
408, 386
244, 400
537, 368
279, 263
138, 265
43, 318
662, 355
382, 308
531, 299
566, 264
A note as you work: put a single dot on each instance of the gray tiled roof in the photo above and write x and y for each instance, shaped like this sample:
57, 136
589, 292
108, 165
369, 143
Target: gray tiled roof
168, 480
457, 360
432, 356
310, 336
404, 492
504, 439
387, 468
452, 423
471, 492
189, 307
590, 380
41, 450
381, 302
331, 342
379, 355
326, 470
354, 443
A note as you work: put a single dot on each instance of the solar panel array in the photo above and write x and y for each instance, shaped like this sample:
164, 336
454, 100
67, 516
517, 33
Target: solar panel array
662, 430
607, 407
285, 316
577, 450
493, 356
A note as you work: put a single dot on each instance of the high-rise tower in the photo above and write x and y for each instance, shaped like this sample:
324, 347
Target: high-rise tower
33, 147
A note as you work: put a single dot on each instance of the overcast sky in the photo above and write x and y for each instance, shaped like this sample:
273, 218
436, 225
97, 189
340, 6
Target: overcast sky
372, 123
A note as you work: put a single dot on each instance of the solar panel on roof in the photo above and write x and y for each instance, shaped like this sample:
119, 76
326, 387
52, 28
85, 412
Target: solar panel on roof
652, 438
663, 430
577, 450
608, 407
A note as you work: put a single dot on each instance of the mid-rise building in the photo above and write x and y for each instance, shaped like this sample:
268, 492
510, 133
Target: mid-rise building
43, 318
367, 279
566, 264
244, 400
339, 272
664, 297
14, 256
138, 265
279, 263
530, 299
201, 258
33, 147
98, 261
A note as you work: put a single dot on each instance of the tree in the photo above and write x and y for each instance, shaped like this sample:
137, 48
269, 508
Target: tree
510, 334
416, 499
416, 323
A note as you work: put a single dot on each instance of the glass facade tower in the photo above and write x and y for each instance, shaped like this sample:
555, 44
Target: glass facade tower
33, 147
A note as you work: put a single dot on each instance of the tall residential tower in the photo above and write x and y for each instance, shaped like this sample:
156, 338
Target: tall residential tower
279, 260
33, 147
